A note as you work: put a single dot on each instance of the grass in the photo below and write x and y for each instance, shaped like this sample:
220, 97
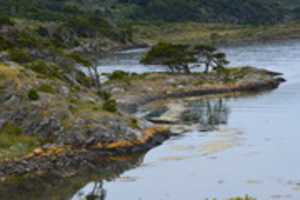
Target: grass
47, 88
192, 32
14, 143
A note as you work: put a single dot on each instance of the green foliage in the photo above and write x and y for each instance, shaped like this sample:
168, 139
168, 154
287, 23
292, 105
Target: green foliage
178, 58
20, 55
80, 59
134, 123
210, 57
119, 75
233, 11
14, 143
33, 95
110, 105
5, 44
6, 21
44, 68
104, 95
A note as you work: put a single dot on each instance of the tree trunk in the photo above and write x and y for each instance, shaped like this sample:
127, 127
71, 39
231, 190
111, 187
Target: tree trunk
96, 77
206, 68
186, 69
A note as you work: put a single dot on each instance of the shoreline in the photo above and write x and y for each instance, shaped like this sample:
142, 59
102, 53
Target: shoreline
46, 160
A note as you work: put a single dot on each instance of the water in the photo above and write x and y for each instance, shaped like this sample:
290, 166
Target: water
255, 152
254, 149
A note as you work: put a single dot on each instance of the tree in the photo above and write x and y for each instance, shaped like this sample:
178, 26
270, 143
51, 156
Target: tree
210, 57
91, 65
176, 57
180, 58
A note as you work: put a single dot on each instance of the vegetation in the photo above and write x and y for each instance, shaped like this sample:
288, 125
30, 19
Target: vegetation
110, 105
14, 143
33, 95
181, 58
247, 197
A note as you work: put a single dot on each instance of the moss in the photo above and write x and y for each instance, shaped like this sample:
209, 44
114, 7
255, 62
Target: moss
13, 142
110, 105
33, 95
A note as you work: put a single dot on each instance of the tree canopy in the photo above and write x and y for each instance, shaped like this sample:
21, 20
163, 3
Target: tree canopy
181, 58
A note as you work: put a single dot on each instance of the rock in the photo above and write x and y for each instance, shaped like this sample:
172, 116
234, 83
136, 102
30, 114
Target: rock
179, 129
64, 91
2, 123
38, 152
117, 90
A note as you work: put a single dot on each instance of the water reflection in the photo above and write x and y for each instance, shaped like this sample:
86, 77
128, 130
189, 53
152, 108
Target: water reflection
92, 191
209, 113
87, 184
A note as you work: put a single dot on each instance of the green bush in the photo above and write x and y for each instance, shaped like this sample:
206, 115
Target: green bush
20, 55
4, 44
33, 95
42, 67
119, 75
5, 20
110, 105
104, 95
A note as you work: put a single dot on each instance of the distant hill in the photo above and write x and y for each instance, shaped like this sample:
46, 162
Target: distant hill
222, 11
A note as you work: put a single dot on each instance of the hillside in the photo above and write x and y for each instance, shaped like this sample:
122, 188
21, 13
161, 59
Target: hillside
229, 11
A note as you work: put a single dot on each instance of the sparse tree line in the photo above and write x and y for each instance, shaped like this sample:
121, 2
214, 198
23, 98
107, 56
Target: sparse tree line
183, 58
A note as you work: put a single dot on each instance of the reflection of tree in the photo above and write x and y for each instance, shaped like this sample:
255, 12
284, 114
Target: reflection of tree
87, 183
95, 191
208, 113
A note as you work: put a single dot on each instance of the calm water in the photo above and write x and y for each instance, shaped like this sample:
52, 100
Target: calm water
254, 149
256, 152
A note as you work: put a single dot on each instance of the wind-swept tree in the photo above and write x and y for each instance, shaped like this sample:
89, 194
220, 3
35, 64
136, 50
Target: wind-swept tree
92, 67
175, 56
210, 57
180, 58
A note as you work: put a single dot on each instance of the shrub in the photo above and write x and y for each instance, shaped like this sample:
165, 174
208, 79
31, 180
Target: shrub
42, 67
119, 75
33, 95
110, 105
104, 95
4, 44
14, 143
5, 20
42, 31
134, 123
20, 55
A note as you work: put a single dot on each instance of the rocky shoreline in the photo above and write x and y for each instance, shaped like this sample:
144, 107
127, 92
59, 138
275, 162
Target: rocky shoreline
76, 138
